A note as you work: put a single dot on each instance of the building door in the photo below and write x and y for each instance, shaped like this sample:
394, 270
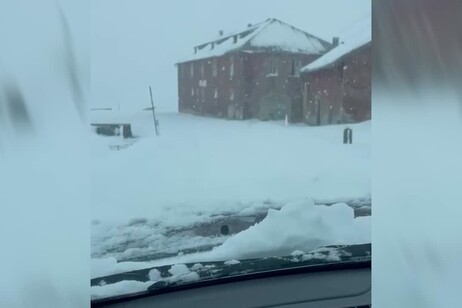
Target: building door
318, 112
305, 102
330, 114
202, 100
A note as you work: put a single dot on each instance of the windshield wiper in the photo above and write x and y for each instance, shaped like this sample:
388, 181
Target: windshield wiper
329, 258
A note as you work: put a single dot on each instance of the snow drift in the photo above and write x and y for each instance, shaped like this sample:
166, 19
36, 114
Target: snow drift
299, 225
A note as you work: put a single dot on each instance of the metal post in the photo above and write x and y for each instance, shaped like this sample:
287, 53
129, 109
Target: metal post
156, 123
347, 136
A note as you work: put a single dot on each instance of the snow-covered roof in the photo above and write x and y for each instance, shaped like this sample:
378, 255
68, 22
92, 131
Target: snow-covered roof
357, 36
108, 117
269, 35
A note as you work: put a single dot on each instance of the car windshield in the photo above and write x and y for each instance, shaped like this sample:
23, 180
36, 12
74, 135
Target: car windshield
224, 134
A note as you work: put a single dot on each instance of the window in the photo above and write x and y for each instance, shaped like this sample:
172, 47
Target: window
192, 91
215, 94
202, 70
273, 68
231, 94
295, 67
192, 70
214, 68
231, 66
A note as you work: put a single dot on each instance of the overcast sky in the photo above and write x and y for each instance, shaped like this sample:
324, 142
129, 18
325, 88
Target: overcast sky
135, 43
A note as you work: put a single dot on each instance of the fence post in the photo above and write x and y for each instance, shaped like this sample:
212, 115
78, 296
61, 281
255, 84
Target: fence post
347, 136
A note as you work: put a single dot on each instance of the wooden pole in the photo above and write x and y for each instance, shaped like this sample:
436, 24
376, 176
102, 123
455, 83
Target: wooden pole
154, 113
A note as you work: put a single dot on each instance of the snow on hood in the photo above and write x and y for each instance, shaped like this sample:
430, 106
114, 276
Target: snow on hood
299, 225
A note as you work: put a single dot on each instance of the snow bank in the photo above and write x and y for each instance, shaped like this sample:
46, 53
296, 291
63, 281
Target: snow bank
297, 226
201, 166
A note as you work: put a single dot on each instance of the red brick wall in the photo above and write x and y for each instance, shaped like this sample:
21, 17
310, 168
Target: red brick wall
345, 89
324, 92
357, 85
203, 100
249, 82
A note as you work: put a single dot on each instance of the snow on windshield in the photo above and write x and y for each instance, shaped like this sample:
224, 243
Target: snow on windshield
44, 199
424, 246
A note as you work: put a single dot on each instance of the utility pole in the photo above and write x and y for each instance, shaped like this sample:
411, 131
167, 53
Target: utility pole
156, 123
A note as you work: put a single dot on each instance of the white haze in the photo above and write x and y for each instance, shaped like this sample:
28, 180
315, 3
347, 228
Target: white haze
136, 43
417, 199
44, 217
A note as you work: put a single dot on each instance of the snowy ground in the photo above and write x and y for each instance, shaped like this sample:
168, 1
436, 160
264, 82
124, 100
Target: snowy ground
201, 169
213, 165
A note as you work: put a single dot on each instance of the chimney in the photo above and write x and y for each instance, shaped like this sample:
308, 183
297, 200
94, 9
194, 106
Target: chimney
235, 39
220, 33
212, 45
249, 25
335, 41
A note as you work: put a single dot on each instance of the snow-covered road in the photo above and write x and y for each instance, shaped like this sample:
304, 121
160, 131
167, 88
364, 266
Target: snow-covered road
153, 199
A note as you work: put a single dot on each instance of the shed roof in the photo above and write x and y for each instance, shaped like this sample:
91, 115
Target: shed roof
357, 36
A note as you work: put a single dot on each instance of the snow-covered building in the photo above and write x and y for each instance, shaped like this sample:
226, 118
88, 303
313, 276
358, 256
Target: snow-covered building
337, 86
252, 73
